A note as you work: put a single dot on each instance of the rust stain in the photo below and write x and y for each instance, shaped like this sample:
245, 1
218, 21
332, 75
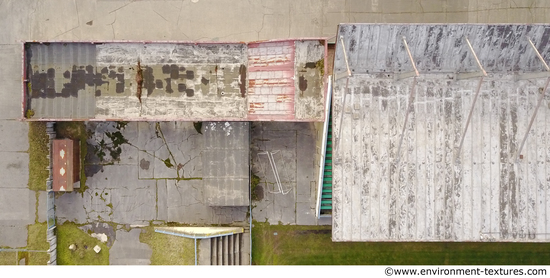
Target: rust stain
139, 80
256, 105
270, 82
283, 98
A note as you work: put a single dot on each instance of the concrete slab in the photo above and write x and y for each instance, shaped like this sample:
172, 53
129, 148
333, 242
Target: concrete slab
13, 136
23, 200
185, 202
13, 222
128, 250
13, 236
162, 200
148, 138
204, 251
42, 206
15, 165
165, 165
115, 176
98, 204
10, 107
295, 162
305, 214
134, 205
225, 161
70, 207
146, 162
185, 205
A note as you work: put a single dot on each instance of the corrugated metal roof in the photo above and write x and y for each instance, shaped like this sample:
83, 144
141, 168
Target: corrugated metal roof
441, 48
415, 182
167, 81
66, 164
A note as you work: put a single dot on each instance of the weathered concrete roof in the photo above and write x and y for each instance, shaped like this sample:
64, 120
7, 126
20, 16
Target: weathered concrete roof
225, 163
275, 80
403, 174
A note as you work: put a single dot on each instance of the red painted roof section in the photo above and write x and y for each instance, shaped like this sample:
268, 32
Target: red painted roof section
66, 166
271, 81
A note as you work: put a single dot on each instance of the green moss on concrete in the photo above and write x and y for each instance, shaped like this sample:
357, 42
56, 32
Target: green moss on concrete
8, 258
38, 152
167, 249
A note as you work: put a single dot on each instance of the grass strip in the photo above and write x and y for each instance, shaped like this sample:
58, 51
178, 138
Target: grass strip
38, 152
312, 245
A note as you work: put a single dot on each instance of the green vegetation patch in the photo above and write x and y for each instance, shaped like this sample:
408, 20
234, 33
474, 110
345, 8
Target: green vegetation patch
312, 245
38, 152
76, 131
68, 234
37, 241
8, 258
256, 191
168, 249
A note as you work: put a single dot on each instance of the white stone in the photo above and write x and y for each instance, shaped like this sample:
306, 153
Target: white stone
97, 248
100, 236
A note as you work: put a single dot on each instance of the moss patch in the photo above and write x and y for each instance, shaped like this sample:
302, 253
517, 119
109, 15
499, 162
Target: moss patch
255, 190
8, 258
37, 241
37, 237
167, 249
38, 152
312, 245
320, 65
68, 234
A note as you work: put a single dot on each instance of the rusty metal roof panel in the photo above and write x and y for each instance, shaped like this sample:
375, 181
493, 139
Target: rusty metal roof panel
66, 164
410, 164
164, 81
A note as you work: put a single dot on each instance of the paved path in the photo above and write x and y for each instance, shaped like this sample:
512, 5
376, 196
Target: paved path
128, 250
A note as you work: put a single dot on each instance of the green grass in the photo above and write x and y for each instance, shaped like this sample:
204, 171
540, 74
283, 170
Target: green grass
68, 234
312, 245
37, 241
8, 258
38, 150
167, 249
76, 131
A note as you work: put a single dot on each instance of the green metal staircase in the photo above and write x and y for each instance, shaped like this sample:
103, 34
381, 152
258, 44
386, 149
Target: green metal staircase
326, 197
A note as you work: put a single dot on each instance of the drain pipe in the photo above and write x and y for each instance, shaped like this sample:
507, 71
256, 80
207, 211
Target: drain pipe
195, 251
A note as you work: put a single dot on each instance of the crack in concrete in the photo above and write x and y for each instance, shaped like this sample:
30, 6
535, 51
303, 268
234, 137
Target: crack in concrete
131, 1
161, 16
112, 26
157, 127
77, 13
